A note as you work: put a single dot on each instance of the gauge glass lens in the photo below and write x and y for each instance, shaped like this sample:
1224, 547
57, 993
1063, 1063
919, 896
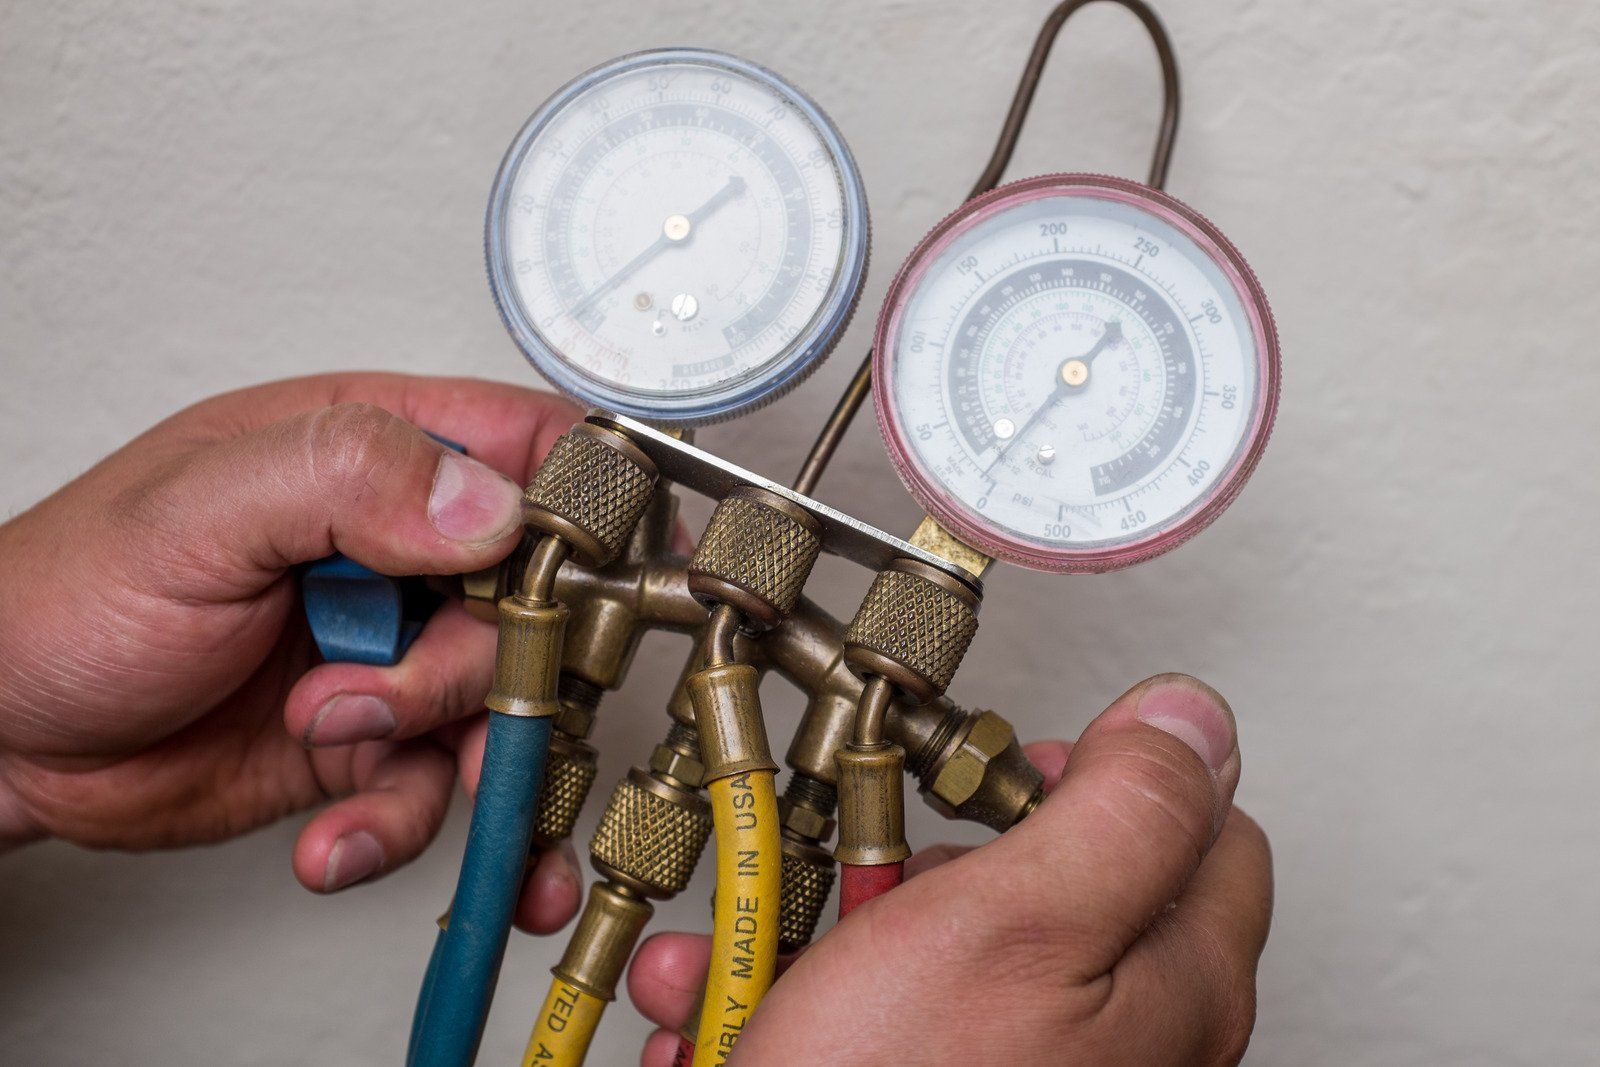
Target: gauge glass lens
1074, 373
678, 230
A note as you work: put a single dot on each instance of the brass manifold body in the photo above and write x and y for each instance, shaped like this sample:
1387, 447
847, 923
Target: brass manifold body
969, 765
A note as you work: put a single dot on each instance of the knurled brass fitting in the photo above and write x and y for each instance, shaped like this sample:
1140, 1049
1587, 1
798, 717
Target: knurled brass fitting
590, 492
727, 713
755, 555
912, 629
603, 940
807, 873
970, 765
569, 771
651, 835
872, 806
528, 657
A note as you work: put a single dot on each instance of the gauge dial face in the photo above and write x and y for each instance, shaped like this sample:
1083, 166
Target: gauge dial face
1075, 372
678, 235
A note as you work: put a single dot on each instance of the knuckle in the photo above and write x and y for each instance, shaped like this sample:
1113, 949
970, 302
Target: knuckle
1155, 791
350, 444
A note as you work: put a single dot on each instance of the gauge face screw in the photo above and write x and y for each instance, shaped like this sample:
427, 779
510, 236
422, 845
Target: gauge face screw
642, 301
1047, 454
684, 307
676, 228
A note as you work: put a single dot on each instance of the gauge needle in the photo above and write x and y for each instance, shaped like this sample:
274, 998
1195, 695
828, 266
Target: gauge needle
1071, 376
675, 231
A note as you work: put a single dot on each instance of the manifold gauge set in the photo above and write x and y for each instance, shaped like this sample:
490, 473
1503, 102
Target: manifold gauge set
1072, 373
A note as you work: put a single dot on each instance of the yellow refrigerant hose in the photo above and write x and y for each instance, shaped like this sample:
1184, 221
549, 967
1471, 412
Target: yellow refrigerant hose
565, 1026
744, 935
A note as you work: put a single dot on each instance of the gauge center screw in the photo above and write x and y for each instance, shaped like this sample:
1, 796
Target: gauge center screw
676, 228
1074, 372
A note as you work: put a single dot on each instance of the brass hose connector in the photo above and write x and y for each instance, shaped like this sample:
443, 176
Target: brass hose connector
910, 634
755, 556
598, 951
646, 847
528, 654
727, 709
872, 803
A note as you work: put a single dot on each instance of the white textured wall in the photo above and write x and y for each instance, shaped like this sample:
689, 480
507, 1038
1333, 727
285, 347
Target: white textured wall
198, 195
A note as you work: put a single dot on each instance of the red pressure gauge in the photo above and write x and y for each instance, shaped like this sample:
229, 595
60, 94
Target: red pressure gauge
1075, 372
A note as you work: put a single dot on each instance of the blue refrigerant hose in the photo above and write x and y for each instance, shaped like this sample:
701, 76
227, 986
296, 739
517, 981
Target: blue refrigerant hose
424, 996
461, 977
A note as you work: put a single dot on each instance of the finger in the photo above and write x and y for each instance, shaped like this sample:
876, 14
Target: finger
1144, 793
667, 977
1221, 921
509, 427
443, 677
1200, 957
1050, 758
469, 754
552, 891
660, 1049
402, 792
925, 860
353, 478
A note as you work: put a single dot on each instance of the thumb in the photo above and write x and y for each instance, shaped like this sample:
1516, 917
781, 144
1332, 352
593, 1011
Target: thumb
1145, 791
349, 478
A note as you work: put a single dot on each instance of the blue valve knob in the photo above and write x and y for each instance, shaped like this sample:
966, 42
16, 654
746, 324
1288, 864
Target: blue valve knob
360, 616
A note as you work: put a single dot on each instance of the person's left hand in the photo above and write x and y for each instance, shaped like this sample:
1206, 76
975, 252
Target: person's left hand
152, 650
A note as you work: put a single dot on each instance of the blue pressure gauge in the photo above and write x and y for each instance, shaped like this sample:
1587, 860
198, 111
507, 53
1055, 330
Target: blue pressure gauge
678, 235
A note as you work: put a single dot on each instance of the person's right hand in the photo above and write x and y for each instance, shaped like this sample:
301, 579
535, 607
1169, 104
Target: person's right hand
1120, 923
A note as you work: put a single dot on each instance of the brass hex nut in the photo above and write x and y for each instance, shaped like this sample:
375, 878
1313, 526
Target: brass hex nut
803, 820
959, 780
669, 761
480, 593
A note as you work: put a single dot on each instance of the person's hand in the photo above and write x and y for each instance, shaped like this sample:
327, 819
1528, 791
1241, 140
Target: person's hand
152, 650
1120, 923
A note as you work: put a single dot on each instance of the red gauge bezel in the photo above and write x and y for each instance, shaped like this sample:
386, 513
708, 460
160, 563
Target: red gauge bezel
988, 537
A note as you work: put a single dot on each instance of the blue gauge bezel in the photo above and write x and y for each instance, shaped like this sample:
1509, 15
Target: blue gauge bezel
784, 372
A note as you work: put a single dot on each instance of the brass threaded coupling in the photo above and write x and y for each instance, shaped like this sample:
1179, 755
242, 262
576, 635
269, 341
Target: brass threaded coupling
755, 555
969, 765
807, 879
590, 491
601, 944
570, 769
727, 713
913, 629
651, 835
872, 805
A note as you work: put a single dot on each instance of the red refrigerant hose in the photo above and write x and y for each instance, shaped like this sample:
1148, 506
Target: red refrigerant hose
857, 885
